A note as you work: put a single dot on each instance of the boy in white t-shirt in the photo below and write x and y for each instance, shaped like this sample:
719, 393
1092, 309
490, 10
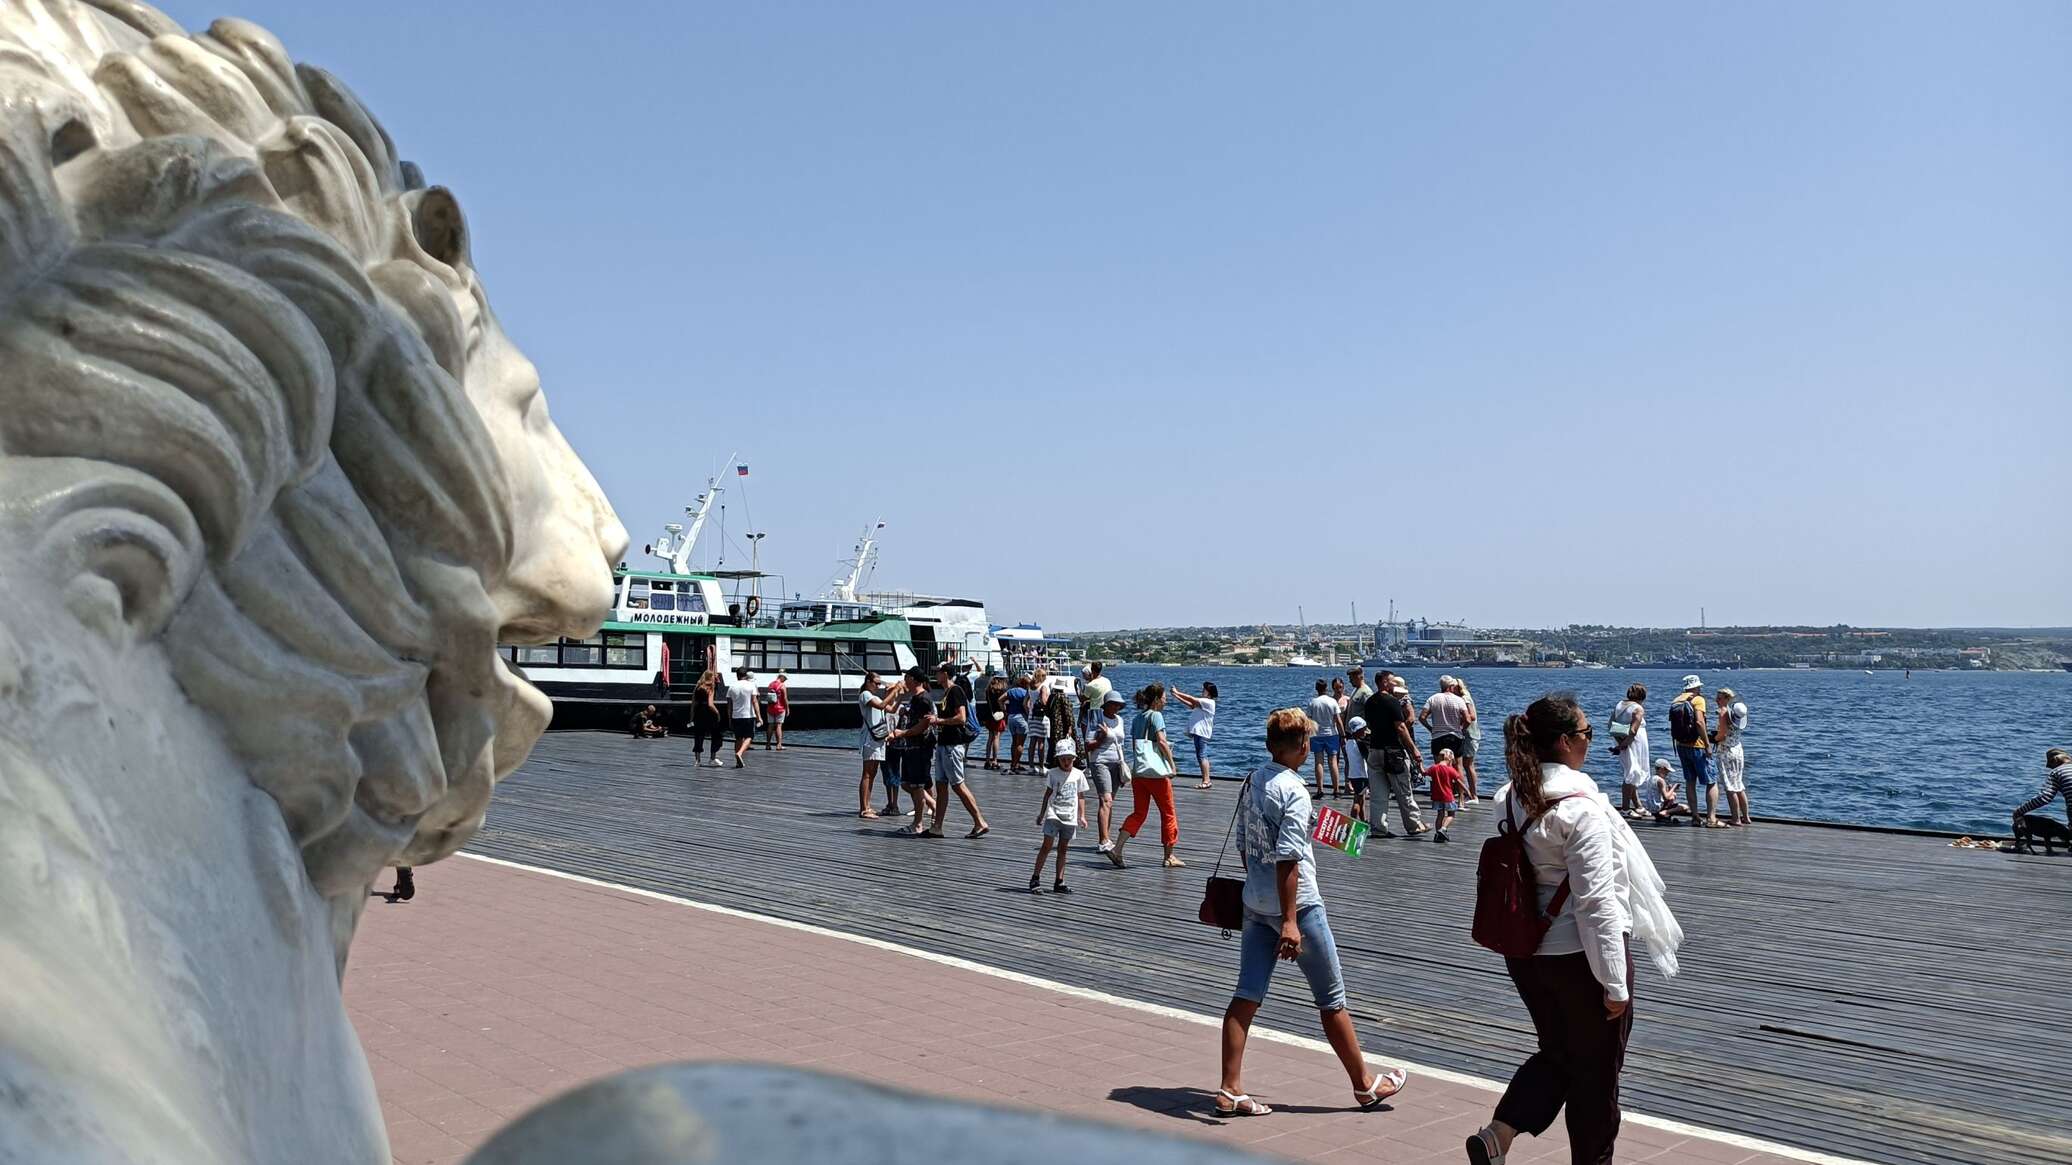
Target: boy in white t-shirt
1356, 764
1061, 814
1658, 793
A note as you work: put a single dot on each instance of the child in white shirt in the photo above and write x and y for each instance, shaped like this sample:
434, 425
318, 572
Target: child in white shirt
1356, 764
1658, 794
1061, 814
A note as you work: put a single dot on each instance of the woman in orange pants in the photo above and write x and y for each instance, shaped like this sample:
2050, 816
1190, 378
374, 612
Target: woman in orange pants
1151, 781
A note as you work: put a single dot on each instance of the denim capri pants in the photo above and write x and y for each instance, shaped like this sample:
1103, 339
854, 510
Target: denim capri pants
1259, 953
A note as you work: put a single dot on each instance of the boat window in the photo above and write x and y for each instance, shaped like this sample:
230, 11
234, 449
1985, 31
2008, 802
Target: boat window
548, 655
663, 601
692, 599
582, 652
882, 660
785, 655
509, 653
625, 649
814, 656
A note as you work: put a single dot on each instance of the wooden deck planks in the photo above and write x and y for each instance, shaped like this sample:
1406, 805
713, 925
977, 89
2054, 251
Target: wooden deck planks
1861, 994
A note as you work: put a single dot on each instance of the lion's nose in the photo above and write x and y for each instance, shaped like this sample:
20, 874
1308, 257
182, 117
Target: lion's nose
611, 533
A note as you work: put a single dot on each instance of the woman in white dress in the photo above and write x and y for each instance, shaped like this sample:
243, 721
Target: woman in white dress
1630, 745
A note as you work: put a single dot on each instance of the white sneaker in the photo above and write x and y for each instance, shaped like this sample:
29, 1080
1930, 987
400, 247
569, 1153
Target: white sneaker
713, 763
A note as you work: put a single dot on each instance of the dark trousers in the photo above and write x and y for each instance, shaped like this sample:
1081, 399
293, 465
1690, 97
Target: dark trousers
701, 730
1581, 1054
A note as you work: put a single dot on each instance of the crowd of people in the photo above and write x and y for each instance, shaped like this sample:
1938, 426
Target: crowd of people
717, 706
916, 731
1709, 750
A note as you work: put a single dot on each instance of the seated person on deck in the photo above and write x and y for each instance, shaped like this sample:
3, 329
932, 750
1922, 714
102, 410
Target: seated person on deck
2057, 785
647, 723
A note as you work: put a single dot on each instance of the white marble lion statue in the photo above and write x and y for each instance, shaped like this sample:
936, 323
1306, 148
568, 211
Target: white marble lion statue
273, 486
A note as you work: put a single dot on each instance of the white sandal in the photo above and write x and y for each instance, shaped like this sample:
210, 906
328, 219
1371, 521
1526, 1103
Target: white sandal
1240, 1104
1373, 1098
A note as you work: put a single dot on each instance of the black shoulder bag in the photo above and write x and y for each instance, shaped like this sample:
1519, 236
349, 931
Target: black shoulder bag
1223, 903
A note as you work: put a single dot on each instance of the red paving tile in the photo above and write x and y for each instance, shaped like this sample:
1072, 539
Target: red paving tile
497, 988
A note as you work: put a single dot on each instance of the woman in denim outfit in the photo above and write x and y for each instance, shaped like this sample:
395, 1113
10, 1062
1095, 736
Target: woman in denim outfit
1284, 919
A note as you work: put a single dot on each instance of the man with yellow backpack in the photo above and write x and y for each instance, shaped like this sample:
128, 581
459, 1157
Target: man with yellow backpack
1693, 737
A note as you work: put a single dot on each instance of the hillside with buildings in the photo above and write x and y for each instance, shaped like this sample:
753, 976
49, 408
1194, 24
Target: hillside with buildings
1416, 642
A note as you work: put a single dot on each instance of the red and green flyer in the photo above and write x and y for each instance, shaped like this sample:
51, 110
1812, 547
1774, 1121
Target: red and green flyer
1338, 831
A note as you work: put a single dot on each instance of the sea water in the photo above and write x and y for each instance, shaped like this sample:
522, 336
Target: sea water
1942, 750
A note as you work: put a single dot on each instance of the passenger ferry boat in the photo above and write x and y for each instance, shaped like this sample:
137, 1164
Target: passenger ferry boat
1024, 648
667, 627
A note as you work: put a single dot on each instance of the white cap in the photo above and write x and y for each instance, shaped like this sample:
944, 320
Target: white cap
1065, 747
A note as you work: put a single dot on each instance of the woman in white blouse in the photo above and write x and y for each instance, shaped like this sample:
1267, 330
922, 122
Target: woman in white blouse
1579, 986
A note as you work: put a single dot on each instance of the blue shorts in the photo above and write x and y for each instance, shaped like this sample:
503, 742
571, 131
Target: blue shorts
1201, 753
1445, 806
949, 764
1326, 745
1259, 952
1697, 764
1017, 724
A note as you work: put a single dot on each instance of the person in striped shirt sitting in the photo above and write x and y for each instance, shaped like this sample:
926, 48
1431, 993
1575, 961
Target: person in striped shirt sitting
2057, 785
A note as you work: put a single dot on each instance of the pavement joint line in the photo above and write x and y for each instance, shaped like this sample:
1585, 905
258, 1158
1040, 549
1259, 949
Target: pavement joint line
1271, 1035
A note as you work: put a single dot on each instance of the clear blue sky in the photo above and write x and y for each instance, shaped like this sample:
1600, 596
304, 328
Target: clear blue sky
1150, 314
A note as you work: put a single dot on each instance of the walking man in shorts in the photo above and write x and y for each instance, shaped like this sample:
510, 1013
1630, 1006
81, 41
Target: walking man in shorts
954, 733
1329, 742
1445, 716
746, 714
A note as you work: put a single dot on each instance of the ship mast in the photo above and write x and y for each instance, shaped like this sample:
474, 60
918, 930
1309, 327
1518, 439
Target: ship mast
676, 543
843, 589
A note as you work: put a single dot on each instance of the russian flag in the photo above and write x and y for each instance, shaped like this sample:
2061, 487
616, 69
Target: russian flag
740, 471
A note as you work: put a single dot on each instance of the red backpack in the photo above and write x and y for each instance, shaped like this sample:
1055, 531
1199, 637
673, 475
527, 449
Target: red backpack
1507, 903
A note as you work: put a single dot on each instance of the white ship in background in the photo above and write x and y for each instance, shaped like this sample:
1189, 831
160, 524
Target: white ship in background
942, 627
670, 624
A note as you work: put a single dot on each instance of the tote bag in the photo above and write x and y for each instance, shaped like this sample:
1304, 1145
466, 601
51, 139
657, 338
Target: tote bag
1149, 762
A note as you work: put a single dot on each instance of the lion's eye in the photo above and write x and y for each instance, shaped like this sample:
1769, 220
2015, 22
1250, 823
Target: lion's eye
440, 228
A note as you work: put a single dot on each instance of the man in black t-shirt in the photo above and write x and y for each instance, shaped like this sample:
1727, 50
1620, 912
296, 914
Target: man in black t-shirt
911, 744
953, 734
1391, 750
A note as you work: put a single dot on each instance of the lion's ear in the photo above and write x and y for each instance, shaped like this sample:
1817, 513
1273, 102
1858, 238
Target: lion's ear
439, 227
120, 548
